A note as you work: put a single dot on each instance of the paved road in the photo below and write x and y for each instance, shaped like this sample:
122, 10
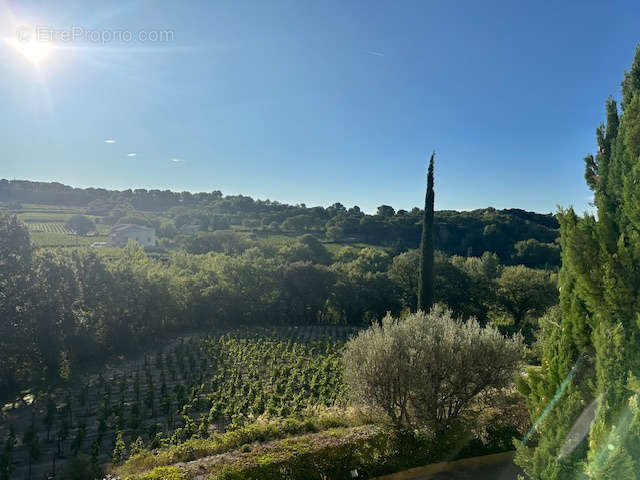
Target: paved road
501, 471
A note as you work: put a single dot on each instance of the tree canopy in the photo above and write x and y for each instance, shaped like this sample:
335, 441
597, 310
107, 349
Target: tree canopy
80, 224
469, 233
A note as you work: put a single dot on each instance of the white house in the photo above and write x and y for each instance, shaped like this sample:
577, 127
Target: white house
121, 234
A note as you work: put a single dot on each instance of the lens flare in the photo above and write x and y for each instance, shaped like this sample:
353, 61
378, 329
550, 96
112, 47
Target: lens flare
31, 49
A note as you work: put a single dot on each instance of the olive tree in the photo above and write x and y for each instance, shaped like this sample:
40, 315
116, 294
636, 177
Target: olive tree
427, 369
523, 295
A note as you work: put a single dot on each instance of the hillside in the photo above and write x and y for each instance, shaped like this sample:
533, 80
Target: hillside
278, 289
244, 403
516, 236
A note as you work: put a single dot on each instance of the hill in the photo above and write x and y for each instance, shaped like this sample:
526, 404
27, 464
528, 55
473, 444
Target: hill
516, 236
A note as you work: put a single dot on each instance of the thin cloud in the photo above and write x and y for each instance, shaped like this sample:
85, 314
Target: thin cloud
110, 140
131, 154
376, 54
177, 160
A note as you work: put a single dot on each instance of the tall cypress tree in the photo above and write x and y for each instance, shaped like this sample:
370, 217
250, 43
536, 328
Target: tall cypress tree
585, 398
425, 280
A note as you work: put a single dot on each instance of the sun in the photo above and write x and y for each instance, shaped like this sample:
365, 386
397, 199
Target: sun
33, 50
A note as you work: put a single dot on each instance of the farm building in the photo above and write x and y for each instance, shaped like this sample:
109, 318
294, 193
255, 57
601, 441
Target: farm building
121, 234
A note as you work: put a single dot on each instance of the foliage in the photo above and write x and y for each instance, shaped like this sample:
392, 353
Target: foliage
81, 467
119, 449
455, 233
80, 224
584, 398
307, 248
336, 453
15, 263
331, 454
535, 254
72, 306
6, 458
221, 241
164, 473
427, 369
523, 295
262, 430
243, 386
427, 248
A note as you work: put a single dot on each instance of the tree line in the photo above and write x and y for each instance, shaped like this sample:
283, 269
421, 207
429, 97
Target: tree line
516, 236
64, 307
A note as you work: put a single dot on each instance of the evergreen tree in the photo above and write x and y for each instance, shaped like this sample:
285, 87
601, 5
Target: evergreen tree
119, 448
426, 276
584, 399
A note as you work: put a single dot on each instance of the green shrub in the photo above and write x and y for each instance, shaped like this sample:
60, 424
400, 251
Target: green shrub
335, 454
428, 369
164, 473
260, 431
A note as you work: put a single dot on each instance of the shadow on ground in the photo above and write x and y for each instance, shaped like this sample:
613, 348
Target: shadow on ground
499, 466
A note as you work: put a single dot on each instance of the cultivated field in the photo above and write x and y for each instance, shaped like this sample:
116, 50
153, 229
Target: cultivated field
48, 227
189, 388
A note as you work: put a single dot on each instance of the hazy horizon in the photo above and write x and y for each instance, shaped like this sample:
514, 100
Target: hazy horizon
368, 211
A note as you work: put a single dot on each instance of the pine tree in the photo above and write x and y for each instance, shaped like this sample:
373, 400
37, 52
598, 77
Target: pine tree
584, 399
119, 449
425, 279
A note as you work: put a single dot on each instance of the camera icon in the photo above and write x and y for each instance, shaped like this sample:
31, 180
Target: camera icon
24, 33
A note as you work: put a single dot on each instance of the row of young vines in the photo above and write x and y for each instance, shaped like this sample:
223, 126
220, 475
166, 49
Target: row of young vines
192, 389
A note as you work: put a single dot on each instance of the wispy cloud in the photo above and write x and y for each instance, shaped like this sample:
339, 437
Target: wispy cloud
374, 53
177, 160
110, 140
131, 154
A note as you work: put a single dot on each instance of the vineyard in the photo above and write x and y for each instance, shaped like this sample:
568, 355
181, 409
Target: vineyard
63, 240
190, 389
56, 234
49, 227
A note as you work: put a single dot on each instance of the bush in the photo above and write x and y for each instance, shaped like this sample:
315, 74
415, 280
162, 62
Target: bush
333, 454
260, 431
427, 369
221, 241
164, 473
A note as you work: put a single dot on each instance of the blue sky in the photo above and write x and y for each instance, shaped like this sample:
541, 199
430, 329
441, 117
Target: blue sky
317, 101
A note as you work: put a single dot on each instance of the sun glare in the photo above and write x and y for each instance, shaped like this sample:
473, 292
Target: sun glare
33, 50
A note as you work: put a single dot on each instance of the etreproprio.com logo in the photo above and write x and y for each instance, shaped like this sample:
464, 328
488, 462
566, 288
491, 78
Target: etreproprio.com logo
80, 34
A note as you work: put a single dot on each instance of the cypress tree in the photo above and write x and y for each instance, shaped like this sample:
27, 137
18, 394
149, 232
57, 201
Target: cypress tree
425, 280
584, 400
